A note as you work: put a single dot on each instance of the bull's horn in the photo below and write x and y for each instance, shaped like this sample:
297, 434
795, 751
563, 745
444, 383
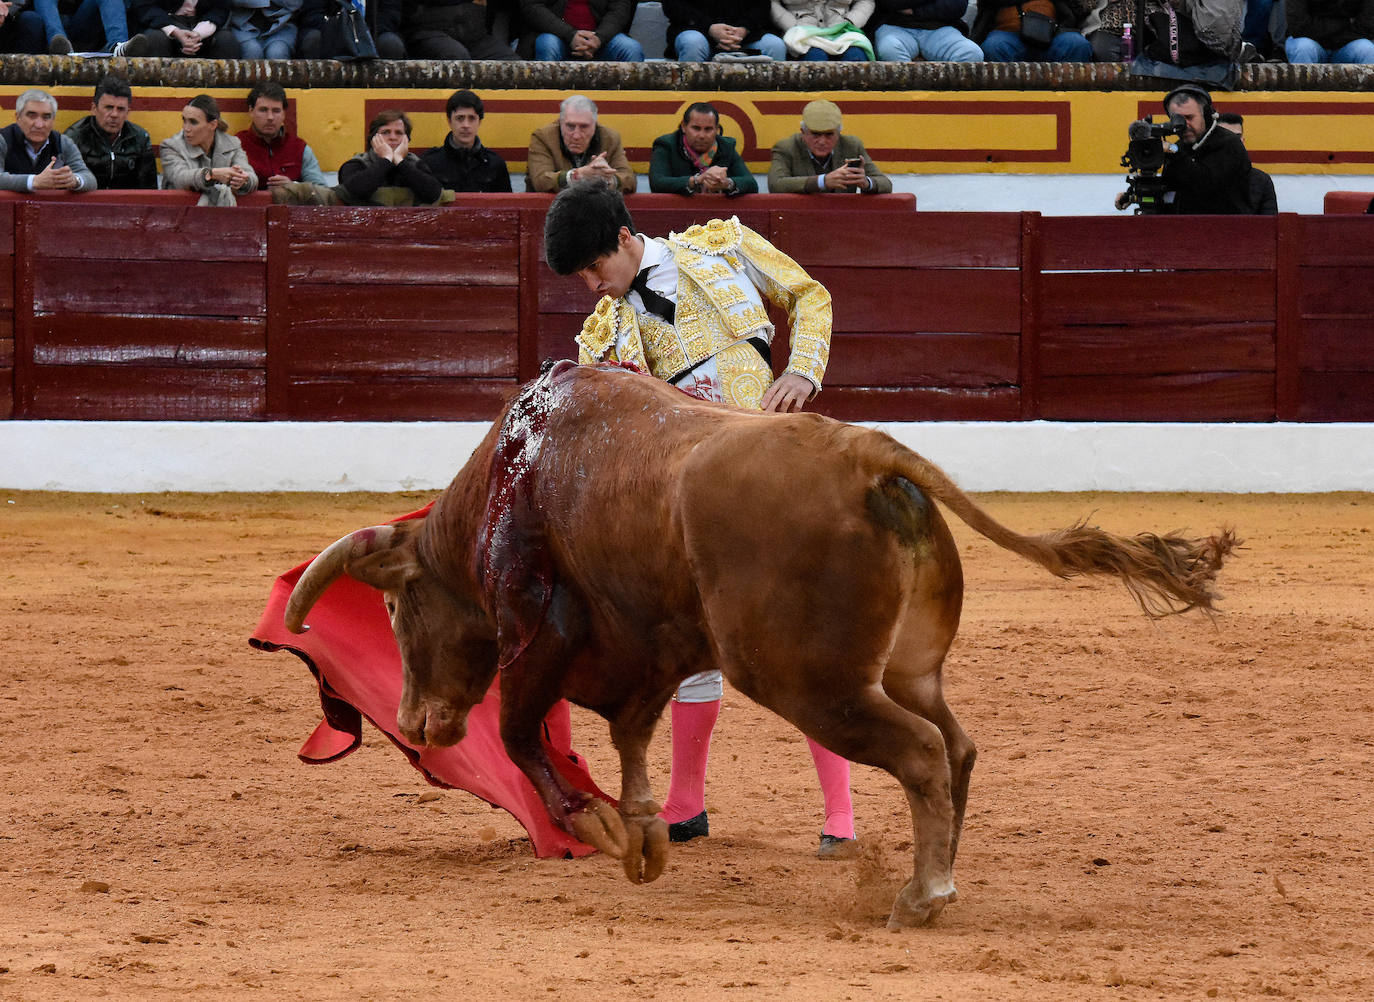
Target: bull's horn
328, 566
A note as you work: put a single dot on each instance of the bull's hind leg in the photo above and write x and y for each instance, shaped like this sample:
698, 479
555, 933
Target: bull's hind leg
864, 725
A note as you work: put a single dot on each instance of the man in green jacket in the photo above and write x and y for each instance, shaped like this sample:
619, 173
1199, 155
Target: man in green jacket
820, 158
697, 159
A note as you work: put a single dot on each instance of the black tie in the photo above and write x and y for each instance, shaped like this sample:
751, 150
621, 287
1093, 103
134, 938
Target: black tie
660, 306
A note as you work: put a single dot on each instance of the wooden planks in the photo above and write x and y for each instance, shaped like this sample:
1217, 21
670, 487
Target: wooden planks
1335, 318
6, 310
143, 312
403, 314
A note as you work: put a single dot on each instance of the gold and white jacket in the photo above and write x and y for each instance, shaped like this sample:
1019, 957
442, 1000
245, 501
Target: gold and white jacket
724, 273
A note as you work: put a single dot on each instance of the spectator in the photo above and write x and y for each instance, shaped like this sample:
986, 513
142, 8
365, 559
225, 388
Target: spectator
277, 157
21, 30
456, 29
579, 29
383, 19
1195, 32
821, 158
1330, 31
700, 29
88, 26
1019, 31
204, 157
386, 172
575, 148
818, 30
461, 162
697, 158
1104, 29
33, 158
185, 27
265, 29
932, 30
1263, 199
118, 152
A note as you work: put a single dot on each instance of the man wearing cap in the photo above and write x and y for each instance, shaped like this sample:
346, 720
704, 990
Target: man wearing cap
821, 158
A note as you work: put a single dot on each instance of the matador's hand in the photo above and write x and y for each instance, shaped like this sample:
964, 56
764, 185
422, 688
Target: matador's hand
787, 394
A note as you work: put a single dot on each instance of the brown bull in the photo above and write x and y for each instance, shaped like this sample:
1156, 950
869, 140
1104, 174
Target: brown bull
611, 536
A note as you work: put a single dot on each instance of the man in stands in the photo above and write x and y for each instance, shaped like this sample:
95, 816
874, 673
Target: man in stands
457, 29
33, 156
908, 30
576, 148
579, 29
185, 28
88, 26
461, 162
701, 29
1263, 200
277, 156
697, 159
820, 158
118, 152
20, 30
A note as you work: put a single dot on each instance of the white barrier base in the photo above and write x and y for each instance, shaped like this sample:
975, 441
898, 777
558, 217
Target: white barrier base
142, 456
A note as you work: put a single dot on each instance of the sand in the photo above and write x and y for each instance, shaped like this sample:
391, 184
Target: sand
1160, 810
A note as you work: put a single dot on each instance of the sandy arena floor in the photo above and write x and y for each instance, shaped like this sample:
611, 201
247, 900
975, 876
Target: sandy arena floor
1173, 810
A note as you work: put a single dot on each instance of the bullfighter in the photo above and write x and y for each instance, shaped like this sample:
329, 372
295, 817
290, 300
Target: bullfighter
690, 309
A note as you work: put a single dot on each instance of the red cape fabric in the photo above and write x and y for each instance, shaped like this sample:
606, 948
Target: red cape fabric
352, 653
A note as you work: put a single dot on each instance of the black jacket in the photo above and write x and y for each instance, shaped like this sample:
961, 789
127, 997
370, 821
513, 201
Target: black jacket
477, 169
128, 162
145, 14
753, 16
924, 14
1210, 177
1331, 23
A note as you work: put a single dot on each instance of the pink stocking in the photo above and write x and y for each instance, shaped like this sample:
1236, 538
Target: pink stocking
833, 772
692, 726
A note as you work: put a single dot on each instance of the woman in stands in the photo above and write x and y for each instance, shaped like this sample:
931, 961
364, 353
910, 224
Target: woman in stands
204, 157
825, 29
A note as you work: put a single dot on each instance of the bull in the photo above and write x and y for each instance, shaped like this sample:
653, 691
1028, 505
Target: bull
611, 536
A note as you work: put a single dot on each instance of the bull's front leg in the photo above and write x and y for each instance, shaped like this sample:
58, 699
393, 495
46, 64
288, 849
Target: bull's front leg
647, 852
527, 696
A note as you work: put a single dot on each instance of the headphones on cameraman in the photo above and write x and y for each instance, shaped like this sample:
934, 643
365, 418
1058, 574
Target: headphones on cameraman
1197, 94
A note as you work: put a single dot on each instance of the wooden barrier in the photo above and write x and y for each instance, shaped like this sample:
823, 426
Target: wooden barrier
142, 311
1347, 202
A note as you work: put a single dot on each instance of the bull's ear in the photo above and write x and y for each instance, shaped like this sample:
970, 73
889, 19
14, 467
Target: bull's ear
390, 567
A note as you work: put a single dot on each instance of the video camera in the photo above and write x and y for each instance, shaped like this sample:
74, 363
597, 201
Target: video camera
1144, 159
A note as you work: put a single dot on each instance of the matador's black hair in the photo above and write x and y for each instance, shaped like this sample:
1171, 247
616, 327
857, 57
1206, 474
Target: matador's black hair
584, 223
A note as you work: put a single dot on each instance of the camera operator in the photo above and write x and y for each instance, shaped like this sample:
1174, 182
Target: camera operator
1208, 172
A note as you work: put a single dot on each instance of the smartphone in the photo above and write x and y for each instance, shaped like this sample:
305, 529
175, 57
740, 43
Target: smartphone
854, 162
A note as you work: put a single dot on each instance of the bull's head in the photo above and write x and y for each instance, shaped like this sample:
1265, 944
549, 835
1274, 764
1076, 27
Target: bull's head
447, 644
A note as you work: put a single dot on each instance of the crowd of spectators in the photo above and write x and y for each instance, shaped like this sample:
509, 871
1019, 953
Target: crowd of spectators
1178, 32
106, 150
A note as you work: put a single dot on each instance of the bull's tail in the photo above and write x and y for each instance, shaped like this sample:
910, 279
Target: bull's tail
1165, 574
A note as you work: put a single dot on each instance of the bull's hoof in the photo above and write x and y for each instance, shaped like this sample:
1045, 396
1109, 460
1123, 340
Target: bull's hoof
914, 907
647, 855
599, 825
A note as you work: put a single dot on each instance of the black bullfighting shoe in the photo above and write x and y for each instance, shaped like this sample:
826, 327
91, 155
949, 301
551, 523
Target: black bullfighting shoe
835, 847
685, 831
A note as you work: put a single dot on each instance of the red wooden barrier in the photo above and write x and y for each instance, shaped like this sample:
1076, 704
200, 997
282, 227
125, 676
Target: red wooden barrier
140, 311
1347, 202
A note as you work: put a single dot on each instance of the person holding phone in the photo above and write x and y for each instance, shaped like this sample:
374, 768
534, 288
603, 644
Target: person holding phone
821, 158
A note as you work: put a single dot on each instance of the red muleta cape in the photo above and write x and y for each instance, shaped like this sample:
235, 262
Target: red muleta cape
352, 653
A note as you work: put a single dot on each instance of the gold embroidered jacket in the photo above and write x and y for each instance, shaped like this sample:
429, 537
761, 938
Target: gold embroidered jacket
716, 263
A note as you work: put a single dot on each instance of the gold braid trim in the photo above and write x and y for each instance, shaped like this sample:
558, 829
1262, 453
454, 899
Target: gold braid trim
807, 303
